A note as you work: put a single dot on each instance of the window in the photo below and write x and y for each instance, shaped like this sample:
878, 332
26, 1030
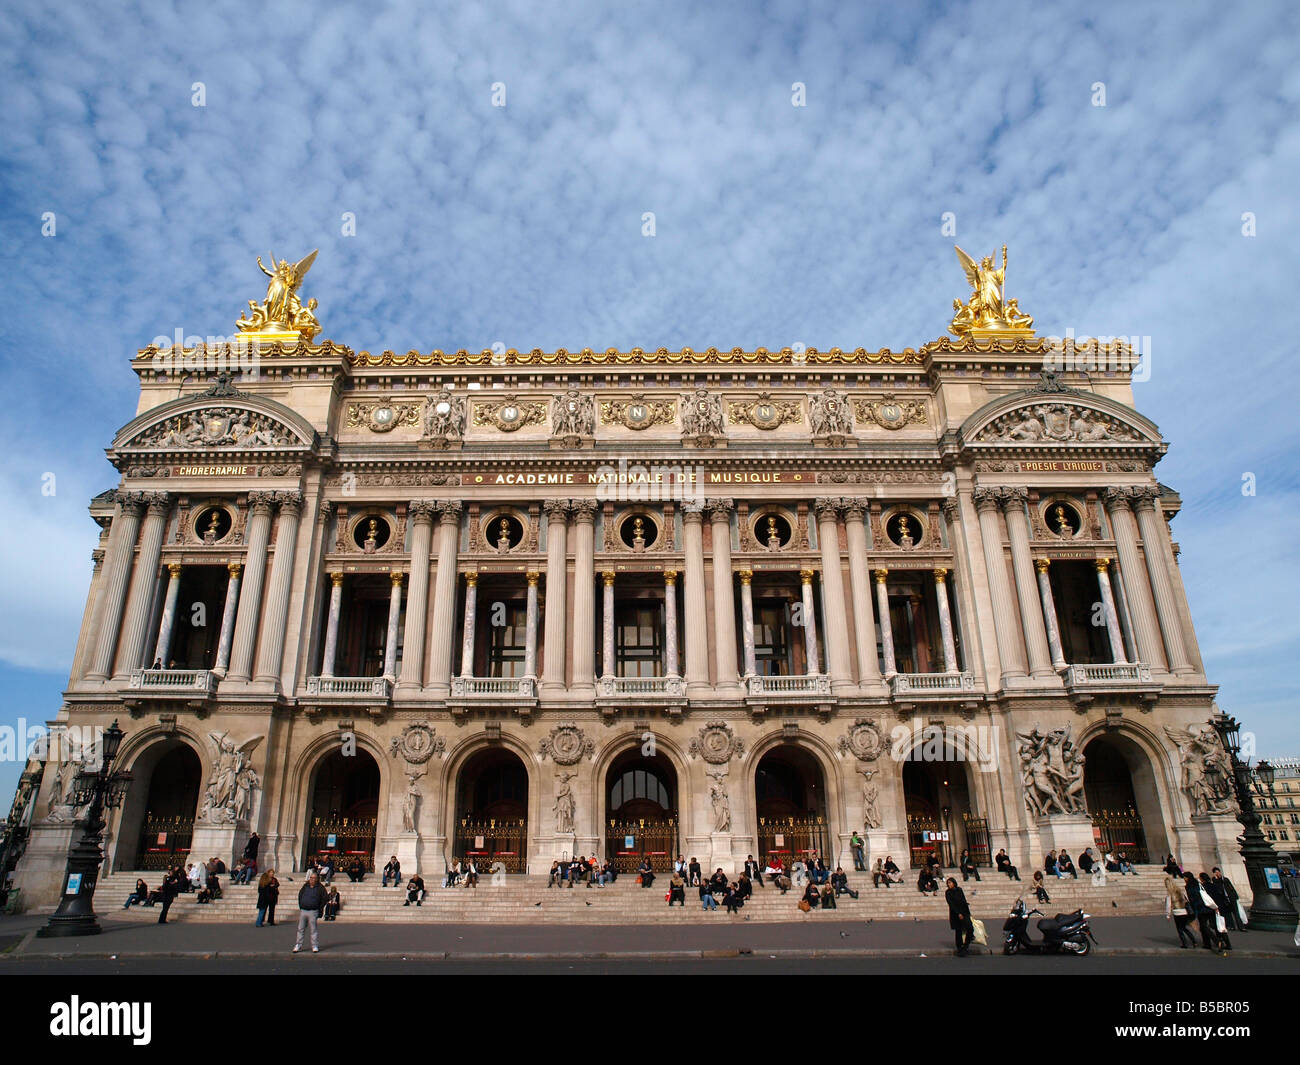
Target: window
638, 635
506, 649
772, 638
638, 784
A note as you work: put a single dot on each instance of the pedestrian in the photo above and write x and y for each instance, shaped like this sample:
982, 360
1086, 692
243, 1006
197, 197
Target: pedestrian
268, 894
1176, 907
959, 919
311, 900
1203, 909
170, 888
859, 857
1214, 894
1230, 904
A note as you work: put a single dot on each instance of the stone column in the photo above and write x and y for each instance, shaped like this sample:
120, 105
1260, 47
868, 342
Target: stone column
1142, 610
584, 595
270, 659
557, 555
747, 621
886, 624
697, 638
1049, 614
467, 625
1113, 633
607, 626
394, 617
530, 626
945, 620
809, 623
987, 503
837, 621
247, 619
117, 569
164, 646
332, 625
724, 596
143, 578
444, 598
671, 667
1171, 624
421, 513
864, 627
1022, 566
234, 569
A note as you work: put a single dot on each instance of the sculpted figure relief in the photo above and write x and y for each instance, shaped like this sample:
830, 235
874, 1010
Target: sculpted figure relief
444, 417
829, 414
870, 800
701, 415
217, 427
281, 310
573, 414
1060, 422
1207, 772
720, 800
564, 803
221, 801
1052, 767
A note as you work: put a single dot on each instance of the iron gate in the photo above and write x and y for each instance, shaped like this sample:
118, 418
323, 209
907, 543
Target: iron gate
977, 839
627, 842
793, 839
346, 838
164, 841
1120, 831
491, 841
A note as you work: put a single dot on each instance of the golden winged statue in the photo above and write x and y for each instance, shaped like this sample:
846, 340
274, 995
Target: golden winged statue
282, 312
987, 310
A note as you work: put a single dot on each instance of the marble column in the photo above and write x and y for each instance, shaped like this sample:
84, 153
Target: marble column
1142, 611
1049, 614
270, 659
945, 620
724, 596
837, 620
144, 577
886, 623
557, 562
1113, 633
122, 535
697, 618
584, 595
530, 626
607, 625
747, 621
394, 618
864, 627
234, 570
247, 618
1022, 567
809, 622
444, 599
468, 624
421, 513
1005, 628
332, 625
1151, 525
671, 667
165, 626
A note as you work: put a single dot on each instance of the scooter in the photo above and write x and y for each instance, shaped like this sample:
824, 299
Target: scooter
1066, 933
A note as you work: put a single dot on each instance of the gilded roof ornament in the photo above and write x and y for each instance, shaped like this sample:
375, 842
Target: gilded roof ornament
281, 316
987, 312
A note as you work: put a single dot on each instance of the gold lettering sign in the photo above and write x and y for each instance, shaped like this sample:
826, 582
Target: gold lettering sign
665, 475
212, 471
1064, 466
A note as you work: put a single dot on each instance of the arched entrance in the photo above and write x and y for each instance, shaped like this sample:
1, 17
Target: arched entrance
790, 801
940, 815
641, 811
1119, 786
158, 816
344, 808
492, 810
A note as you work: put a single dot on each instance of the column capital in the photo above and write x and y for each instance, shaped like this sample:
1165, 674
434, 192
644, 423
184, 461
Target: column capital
940, 574
585, 511
693, 512
1102, 564
720, 508
882, 575
158, 502
532, 577
1042, 564
1013, 498
557, 509
951, 510
806, 575
261, 502
448, 511
746, 576
855, 509
290, 503
1119, 499
608, 577
130, 502
235, 569
670, 577
987, 499
471, 578
1144, 498
174, 570
422, 510
336, 578
827, 507
325, 511
395, 576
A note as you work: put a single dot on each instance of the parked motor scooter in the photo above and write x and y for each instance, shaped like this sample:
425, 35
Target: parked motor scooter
1066, 933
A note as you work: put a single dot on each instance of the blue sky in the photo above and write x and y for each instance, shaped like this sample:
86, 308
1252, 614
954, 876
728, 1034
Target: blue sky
775, 225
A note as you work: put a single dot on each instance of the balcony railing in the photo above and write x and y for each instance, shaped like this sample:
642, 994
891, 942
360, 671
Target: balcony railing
494, 687
174, 681
791, 685
616, 687
368, 687
931, 683
1107, 673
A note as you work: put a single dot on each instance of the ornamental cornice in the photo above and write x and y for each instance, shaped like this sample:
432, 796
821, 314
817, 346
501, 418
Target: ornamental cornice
640, 357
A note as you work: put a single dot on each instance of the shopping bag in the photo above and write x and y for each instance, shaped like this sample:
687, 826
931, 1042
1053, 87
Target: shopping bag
1241, 915
981, 935
1219, 922
805, 905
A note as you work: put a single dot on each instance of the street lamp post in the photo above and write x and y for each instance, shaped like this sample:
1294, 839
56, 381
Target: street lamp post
1270, 910
97, 790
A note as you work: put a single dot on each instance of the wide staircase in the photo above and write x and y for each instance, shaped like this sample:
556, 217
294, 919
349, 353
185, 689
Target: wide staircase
528, 900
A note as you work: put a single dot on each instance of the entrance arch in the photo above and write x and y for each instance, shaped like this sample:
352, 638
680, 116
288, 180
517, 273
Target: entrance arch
791, 806
158, 815
344, 808
941, 816
1119, 786
641, 804
492, 810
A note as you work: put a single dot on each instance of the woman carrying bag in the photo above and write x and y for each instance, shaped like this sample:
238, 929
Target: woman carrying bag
1176, 907
959, 919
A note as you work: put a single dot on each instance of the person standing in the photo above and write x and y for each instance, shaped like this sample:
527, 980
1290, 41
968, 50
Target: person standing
859, 856
959, 919
170, 888
1231, 905
1176, 907
268, 894
311, 900
1201, 907
251, 848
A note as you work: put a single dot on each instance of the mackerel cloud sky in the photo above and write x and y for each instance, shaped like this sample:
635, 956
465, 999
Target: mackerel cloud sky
775, 225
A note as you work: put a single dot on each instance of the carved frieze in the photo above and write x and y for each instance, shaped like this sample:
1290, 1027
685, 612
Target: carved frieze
566, 744
717, 743
217, 427
890, 413
764, 412
864, 741
509, 414
1057, 423
638, 412
418, 743
382, 416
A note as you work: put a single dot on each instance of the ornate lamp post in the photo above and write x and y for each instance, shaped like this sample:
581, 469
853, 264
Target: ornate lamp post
1270, 910
96, 790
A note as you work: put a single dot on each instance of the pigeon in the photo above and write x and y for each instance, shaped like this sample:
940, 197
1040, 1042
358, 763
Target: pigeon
844, 935
536, 903
588, 903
